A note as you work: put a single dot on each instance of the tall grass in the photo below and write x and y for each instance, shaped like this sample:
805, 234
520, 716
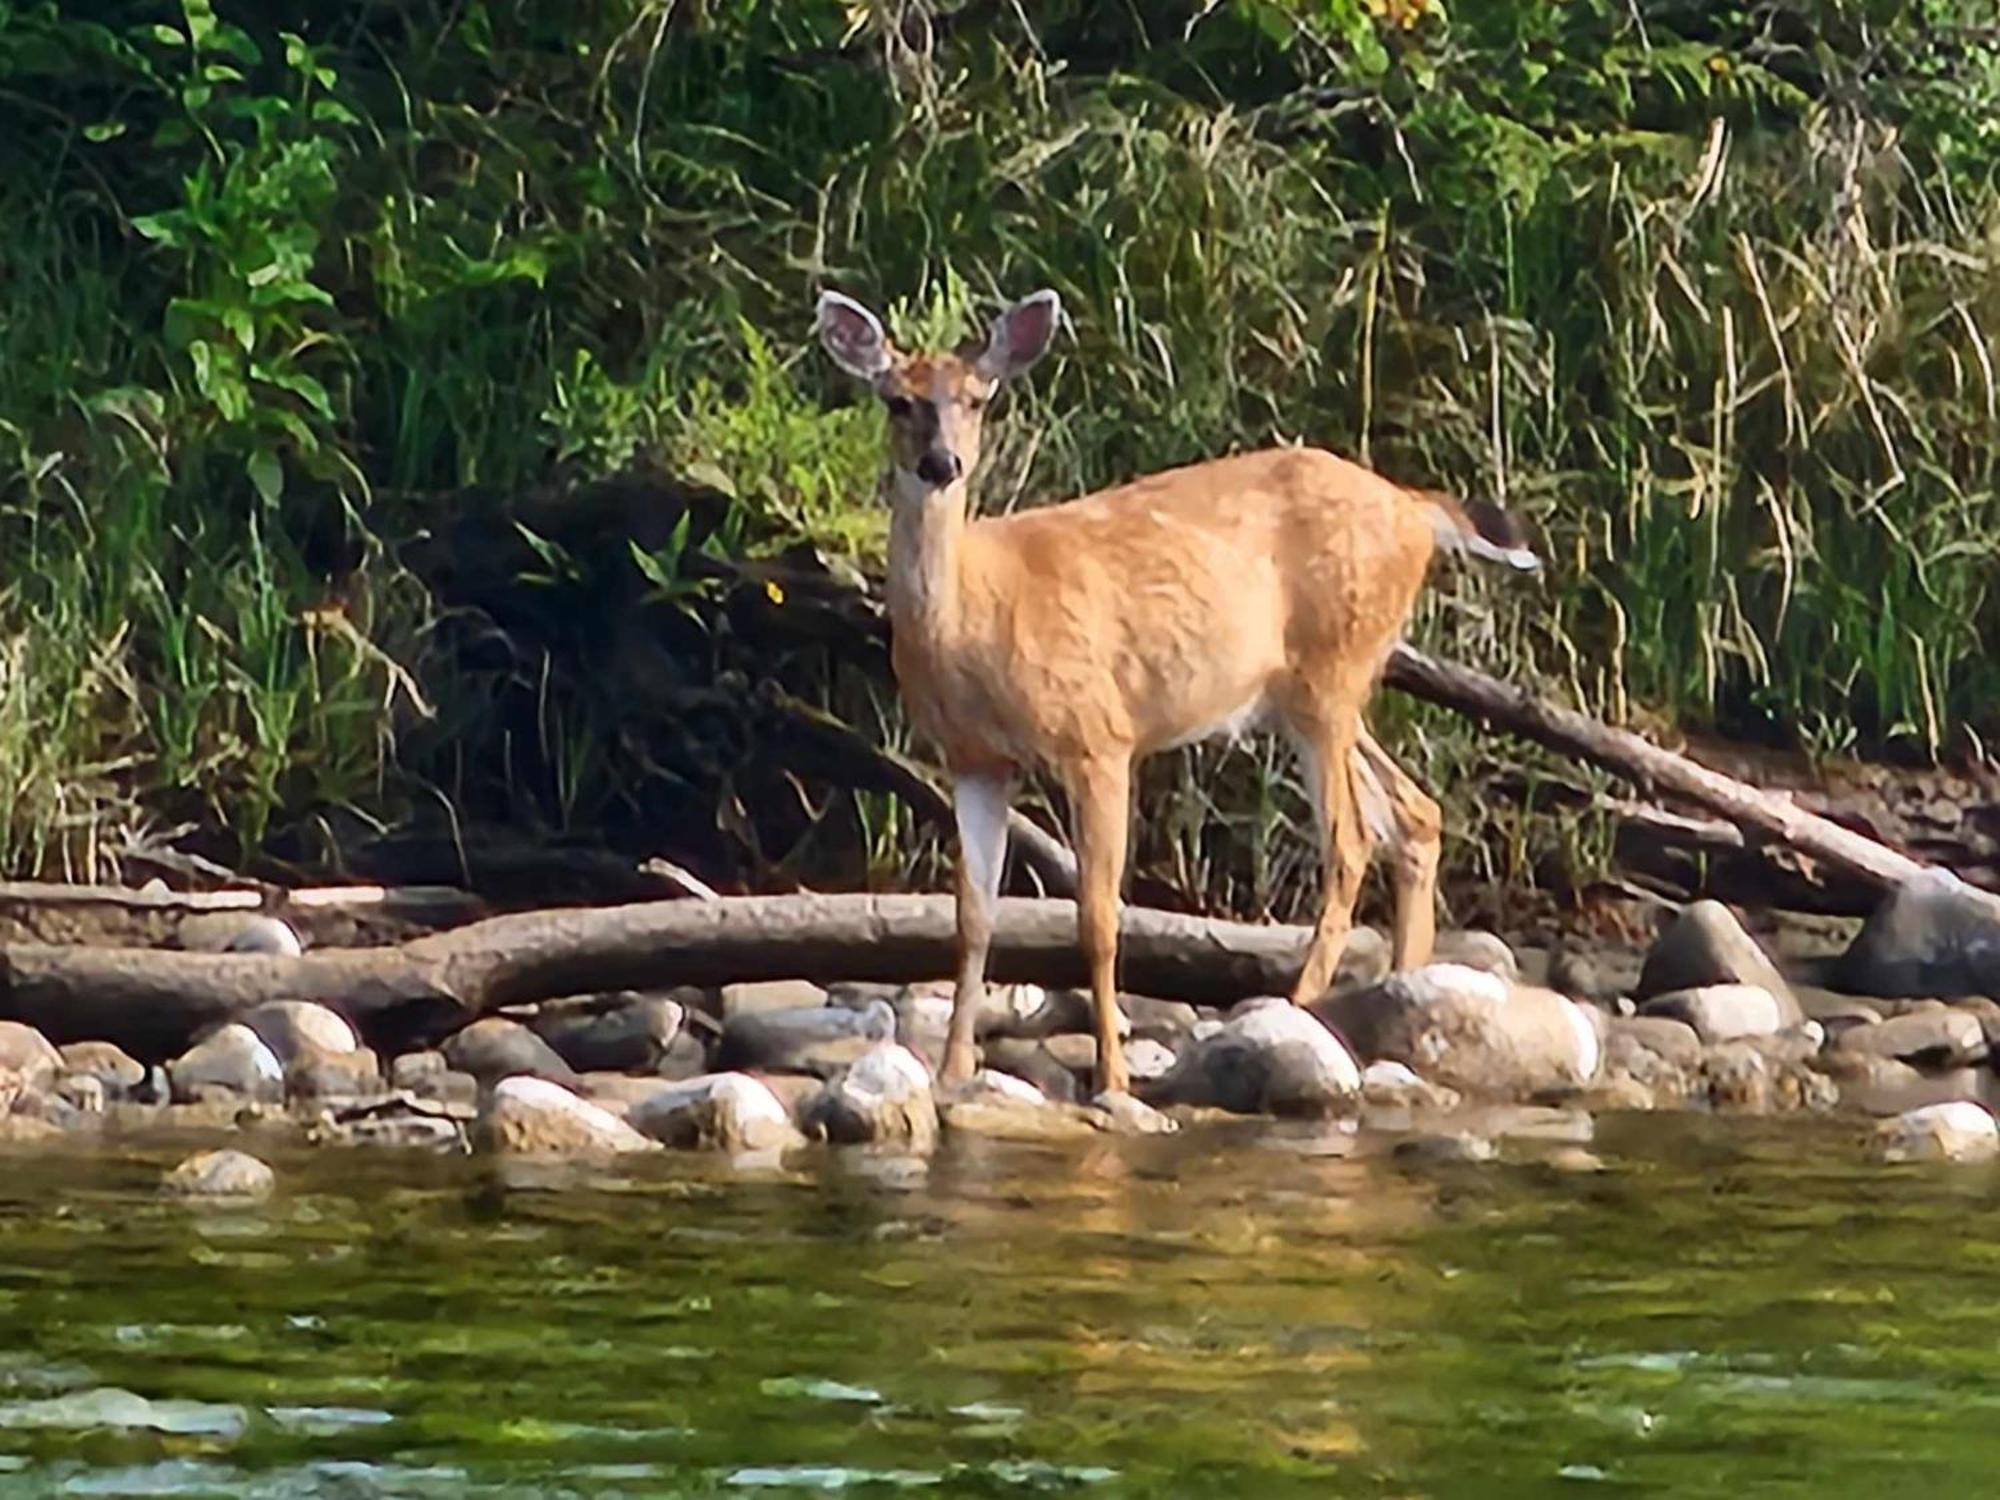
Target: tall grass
1706, 292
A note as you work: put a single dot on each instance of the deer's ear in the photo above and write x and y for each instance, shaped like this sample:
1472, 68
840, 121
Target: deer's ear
853, 336
1021, 335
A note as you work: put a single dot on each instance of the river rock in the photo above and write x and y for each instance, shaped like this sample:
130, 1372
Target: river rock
1834, 1011
1269, 1057
1475, 949
1705, 945
119, 1072
1028, 1059
1005, 1118
1723, 1012
1925, 1038
1932, 935
1443, 1148
351, 1074
923, 1024
1122, 1114
1471, 1031
220, 1174
28, 1054
1958, 1130
1742, 1078
1389, 1085
428, 1075
238, 932
821, 1041
293, 1027
885, 1097
1668, 1039
496, 1048
1145, 1059
1584, 976
625, 1032
728, 1111
231, 1060
770, 994
83, 1092
529, 1116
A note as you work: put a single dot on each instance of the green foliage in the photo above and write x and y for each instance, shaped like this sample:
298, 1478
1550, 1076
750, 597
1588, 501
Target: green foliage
1707, 291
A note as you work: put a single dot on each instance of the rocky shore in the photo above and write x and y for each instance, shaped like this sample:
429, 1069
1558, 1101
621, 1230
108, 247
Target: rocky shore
1898, 1029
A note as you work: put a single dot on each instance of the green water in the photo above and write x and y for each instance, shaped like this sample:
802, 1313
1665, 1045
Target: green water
1749, 1307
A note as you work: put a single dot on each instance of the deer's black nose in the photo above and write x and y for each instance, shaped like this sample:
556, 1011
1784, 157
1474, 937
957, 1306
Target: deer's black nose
938, 466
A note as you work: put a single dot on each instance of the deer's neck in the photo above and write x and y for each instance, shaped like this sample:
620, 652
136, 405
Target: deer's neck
926, 528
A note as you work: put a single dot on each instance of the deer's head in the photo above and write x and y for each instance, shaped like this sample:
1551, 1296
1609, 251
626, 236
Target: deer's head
936, 401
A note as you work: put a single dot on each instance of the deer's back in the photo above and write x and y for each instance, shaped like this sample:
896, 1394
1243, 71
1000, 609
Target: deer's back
1182, 604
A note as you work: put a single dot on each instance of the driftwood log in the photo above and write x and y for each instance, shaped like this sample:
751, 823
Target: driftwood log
153, 1003
1764, 817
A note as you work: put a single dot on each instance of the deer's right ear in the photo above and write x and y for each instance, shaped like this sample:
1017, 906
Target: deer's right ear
853, 336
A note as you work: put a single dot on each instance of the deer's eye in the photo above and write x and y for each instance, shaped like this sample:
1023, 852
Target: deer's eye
899, 406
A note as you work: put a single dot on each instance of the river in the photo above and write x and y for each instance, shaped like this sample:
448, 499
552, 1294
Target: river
1260, 1311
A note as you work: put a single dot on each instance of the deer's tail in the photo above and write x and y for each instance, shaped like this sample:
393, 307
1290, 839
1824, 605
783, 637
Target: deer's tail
1479, 528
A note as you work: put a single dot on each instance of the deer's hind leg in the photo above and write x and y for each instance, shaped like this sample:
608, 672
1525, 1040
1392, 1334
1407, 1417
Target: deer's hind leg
1407, 818
1325, 731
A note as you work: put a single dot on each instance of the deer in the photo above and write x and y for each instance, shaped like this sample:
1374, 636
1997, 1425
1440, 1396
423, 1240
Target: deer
1264, 589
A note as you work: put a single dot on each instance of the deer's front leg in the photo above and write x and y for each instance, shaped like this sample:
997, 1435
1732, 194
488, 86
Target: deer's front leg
980, 801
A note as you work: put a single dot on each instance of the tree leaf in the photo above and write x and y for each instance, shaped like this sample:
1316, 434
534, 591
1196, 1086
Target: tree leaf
267, 473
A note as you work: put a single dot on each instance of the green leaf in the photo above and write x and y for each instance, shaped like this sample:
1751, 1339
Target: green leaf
333, 112
173, 132
104, 130
300, 384
221, 73
160, 227
267, 472
239, 45
167, 36
237, 321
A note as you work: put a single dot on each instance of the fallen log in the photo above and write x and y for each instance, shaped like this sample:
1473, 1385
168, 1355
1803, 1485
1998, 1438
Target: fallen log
153, 1003
1770, 817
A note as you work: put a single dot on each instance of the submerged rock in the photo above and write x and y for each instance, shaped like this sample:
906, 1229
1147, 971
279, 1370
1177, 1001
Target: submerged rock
884, 1098
399, 1121
727, 1111
1959, 1130
821, 1040
1705, 945
1471, 1031
1933, 935
496, 1048
1389, 1085
1270, 1057
1742, 1077
527, 1116
220, 1174
231, 1060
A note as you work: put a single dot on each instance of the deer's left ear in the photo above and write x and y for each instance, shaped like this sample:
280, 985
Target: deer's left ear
1021, 335
853, 336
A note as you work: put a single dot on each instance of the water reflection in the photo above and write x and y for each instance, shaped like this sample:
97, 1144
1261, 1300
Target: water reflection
1237, 1310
